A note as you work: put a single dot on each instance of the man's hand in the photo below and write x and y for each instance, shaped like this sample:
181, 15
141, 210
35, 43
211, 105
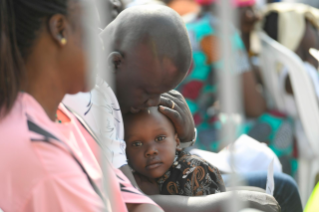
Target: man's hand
180, 115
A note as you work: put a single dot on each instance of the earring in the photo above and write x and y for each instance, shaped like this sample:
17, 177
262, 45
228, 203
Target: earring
63, 41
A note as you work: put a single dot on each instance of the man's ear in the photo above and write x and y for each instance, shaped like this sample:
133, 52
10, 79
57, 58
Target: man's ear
114, 60
58, 29
178, 142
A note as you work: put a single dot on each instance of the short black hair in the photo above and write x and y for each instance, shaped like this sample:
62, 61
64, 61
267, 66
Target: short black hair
158, 26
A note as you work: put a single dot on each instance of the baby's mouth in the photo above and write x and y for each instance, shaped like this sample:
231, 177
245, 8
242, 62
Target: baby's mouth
153, 165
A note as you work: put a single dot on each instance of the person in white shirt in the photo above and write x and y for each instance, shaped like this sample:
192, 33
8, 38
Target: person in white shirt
164, 66
147, 64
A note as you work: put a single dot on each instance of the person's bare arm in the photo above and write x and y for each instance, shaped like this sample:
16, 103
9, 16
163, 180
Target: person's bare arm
137, 207
173, 203
254, 102
217, 202
143, 208
128, 173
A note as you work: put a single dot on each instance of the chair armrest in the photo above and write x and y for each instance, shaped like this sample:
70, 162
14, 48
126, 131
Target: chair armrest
259, 201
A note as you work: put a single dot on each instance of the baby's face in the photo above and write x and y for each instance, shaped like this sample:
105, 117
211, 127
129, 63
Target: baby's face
151, 142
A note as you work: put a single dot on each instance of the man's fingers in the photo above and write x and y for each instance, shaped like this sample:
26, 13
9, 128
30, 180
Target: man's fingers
172, 114
165, 101
174, 93
168, 102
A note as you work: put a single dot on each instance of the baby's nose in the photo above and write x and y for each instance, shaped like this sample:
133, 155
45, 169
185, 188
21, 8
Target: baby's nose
151, 150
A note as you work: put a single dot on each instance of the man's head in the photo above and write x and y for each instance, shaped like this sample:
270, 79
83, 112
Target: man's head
151, 142
150, 54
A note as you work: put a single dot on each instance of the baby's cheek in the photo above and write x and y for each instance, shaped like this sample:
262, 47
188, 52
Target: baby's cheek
170, 156
134, 158
129, 153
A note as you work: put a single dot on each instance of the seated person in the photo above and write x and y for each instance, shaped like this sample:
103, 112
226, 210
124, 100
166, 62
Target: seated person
280, 19
303, 21
160, 166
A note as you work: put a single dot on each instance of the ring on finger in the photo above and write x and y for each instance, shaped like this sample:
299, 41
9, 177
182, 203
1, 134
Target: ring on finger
173, 104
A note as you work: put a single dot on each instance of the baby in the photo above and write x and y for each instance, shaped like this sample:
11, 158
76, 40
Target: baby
160, 166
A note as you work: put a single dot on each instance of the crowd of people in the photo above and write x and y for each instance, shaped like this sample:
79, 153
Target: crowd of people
164, 57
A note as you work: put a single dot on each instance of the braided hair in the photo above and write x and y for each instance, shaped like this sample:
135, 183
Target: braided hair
20, 22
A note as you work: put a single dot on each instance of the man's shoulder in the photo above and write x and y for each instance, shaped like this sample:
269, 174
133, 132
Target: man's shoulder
101, 96
79, 102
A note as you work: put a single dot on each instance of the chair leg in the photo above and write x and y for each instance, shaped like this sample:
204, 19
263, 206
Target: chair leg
303, 180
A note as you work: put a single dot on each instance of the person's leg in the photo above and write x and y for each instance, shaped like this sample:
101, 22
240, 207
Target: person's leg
286, 192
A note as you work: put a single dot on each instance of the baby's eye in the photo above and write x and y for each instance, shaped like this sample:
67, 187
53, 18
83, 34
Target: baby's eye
160, 138
137, 143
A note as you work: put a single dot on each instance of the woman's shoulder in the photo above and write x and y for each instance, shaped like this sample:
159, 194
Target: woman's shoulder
29, 145
20, 166
32, 156
13, 125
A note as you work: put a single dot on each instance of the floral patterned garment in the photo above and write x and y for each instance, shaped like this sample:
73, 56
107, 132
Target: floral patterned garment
191, 176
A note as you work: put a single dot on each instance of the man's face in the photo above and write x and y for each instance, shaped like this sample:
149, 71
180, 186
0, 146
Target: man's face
142, 78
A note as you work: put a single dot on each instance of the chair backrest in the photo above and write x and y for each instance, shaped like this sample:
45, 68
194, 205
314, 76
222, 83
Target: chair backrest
271, 56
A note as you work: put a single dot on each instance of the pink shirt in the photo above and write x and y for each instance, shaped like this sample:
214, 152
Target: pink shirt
38, 171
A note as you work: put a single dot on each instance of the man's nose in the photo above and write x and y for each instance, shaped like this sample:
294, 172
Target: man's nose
151, 150
153, 101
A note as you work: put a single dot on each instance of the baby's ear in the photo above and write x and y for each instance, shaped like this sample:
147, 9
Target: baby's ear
178, 142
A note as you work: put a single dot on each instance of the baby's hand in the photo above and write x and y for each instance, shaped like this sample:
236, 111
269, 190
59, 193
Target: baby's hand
149, 188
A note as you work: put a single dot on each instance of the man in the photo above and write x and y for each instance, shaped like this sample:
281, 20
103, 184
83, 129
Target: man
137, 51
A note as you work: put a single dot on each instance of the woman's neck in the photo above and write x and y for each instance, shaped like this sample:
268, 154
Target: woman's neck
43, 84
48, 99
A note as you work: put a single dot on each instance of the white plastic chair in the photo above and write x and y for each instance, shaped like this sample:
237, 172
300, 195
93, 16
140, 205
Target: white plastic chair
272, 55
